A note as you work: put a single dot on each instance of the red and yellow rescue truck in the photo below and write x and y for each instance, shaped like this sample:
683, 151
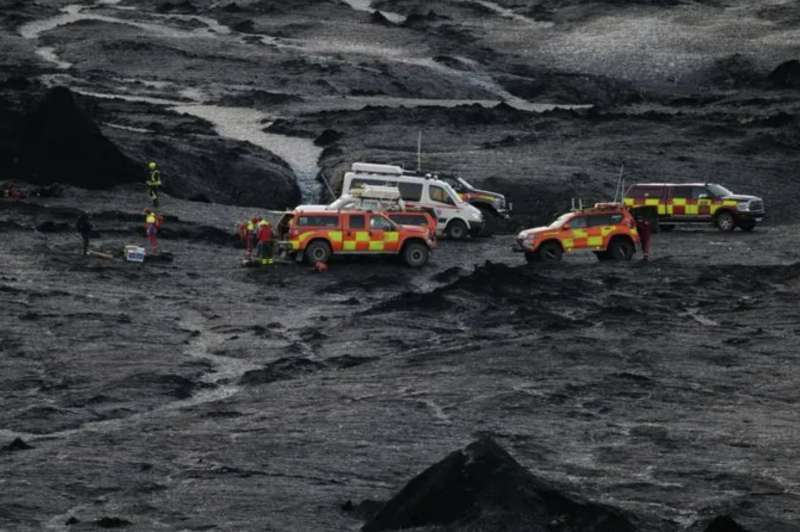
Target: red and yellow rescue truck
316, 234
668, 204
607, 229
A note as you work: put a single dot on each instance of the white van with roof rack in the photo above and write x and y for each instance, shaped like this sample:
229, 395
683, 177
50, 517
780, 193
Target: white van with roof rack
455, 218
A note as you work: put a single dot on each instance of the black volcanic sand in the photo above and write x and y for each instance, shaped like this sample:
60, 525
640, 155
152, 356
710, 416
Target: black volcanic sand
195, 394
665, 391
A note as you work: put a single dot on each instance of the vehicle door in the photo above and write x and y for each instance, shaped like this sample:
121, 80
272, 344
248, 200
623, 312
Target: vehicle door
443, 205
384, 236
356, 236
309, 226
679, 199
576, 235
601, 227
705, 203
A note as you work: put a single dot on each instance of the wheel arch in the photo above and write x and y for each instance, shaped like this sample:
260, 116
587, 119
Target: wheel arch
621, 236
727, 210
554, 240
317, 239
413, 239
484, 206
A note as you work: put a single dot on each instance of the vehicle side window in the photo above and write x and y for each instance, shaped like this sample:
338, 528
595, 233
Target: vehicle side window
357, 221
644, 191
439, 195
596, 220
379, 223
318, 221
701, 191
682, 192
579, 222
409, 219
410, 191
615, 219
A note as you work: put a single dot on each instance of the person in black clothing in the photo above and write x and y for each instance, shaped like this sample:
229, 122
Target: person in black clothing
84, 227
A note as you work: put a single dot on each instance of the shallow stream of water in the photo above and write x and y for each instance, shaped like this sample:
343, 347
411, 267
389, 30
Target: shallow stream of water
245, 124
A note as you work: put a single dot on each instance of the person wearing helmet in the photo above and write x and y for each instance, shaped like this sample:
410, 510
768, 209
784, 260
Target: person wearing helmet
250, 234
153, 182
264, 246
152, 223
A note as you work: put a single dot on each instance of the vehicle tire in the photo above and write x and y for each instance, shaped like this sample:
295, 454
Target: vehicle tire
318, 251
747, 226
620, 249
531, 257
489, 221
725, 221
667, 227
456, 230
416, 254
550, 252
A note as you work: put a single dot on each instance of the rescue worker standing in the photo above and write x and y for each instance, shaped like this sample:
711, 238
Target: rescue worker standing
250, 234
152, 223
264, 248
153, 182
84, 227
644, 229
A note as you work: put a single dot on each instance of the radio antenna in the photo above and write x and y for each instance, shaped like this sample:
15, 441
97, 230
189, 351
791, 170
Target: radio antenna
419, 152
619, 191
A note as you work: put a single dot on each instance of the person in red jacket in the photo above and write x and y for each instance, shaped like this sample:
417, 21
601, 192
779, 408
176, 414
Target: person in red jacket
264, 248
644, 229
152, 223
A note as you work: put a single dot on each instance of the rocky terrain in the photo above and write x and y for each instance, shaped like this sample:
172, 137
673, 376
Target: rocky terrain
479, 393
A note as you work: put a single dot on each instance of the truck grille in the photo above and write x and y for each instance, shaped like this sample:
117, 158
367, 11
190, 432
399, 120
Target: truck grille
757, 206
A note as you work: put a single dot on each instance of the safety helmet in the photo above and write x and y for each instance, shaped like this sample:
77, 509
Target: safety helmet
147, 211
152, 165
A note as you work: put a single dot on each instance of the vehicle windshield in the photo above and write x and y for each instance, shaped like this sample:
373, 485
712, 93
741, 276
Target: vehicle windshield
561, 220
454, 197
718, 190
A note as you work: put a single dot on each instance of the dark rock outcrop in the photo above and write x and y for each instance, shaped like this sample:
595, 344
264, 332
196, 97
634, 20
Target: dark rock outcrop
484, 488
724, 523
58, 142
17, 445
786, 75
328, 137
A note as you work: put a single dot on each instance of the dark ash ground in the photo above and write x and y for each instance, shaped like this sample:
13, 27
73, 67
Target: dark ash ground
197, 395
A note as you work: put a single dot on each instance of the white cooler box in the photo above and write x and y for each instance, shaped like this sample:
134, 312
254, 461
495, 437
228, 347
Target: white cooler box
134, 253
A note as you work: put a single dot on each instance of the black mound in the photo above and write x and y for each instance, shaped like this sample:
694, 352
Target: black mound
112, 522
484, 488
17, 445
60, 143
786, 75
176, 7
328, 137
378, 18
724, 523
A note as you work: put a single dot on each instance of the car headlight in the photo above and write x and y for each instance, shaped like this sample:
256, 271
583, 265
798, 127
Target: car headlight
743, 206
